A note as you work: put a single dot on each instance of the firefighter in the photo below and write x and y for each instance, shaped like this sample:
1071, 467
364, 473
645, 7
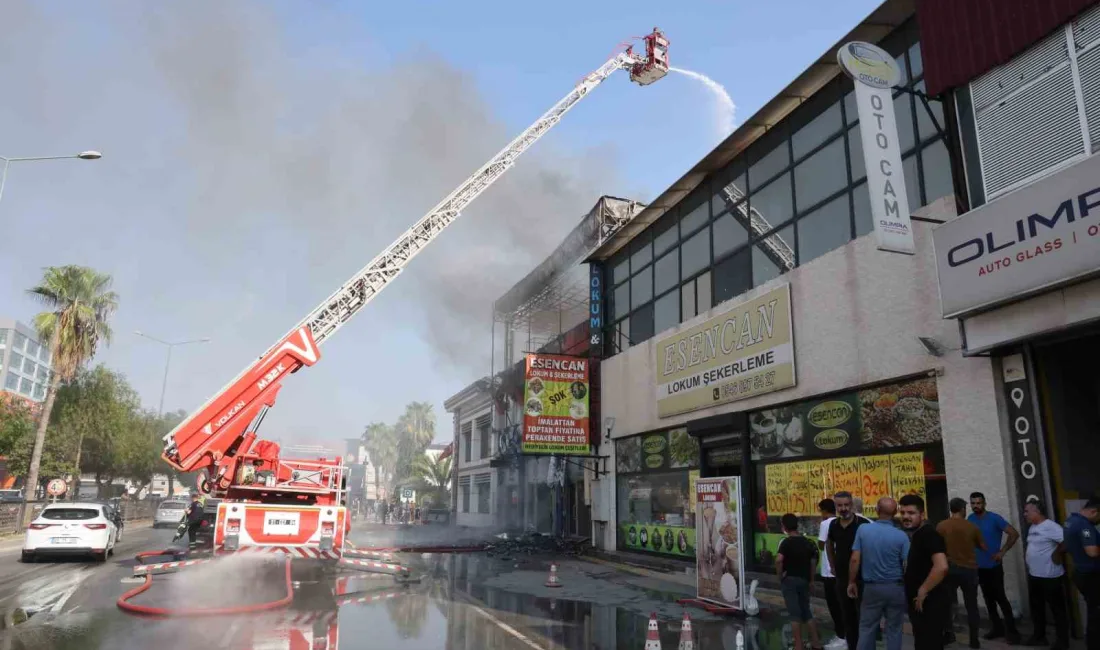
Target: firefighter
194, 516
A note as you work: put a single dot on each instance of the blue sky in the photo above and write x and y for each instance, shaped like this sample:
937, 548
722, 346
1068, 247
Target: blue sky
256, 154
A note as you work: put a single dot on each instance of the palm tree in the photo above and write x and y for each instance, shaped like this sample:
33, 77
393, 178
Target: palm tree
381, 445
79, 302
418, 423
433, 477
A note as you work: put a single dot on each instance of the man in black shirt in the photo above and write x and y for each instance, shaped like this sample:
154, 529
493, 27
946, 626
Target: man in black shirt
924, 573
838, 546
796, 564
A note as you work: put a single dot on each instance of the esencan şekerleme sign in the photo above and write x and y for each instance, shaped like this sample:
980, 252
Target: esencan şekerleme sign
555, 405
747, 350
876, 73
1030, 240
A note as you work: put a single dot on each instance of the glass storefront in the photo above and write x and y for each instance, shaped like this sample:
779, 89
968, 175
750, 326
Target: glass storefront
875, 442
655, 492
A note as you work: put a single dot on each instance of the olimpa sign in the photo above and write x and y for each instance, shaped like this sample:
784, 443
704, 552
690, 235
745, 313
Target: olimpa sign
747, 350
1028, 241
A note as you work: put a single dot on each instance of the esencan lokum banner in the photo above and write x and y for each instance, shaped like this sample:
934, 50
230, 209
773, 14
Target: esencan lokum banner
720, 563
555, 405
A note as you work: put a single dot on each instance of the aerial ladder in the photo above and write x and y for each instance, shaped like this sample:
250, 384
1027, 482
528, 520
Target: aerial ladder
295, 506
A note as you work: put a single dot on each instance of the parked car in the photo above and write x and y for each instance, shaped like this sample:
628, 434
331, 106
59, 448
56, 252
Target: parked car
435, 516
11, 496
71, 529
169, 513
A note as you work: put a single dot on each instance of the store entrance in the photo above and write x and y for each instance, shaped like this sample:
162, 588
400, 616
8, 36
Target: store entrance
1069, 386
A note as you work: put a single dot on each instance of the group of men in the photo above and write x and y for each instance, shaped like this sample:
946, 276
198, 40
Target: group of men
872, 571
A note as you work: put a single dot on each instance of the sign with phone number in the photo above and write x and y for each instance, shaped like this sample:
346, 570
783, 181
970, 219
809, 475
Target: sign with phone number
798, 487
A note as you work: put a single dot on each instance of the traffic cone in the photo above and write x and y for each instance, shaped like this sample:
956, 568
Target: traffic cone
552, 581
652, 636
687, 641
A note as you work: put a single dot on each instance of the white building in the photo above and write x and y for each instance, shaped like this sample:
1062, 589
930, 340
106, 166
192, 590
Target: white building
474, 498
24, 361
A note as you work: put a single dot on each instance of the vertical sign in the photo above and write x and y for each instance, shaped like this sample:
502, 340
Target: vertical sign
595, 305
719, 543
555, 405
1026, 456
876, 73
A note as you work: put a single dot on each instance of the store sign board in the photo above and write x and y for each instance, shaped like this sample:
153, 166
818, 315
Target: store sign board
555, 405
799, 486
595, 305
747, 350
657, 538
876, 73
903, 414
1025, 242
1026, 463
720, 542
672, 449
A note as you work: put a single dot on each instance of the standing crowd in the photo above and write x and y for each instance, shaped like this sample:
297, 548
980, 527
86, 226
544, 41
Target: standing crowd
875, 574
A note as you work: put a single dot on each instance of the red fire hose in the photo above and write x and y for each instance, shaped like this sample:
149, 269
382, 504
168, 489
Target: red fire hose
124, 604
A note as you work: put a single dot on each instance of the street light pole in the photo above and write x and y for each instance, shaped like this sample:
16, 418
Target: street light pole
168, 362
164, 382
83, 155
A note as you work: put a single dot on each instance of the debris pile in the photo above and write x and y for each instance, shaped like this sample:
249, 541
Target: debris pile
508, 547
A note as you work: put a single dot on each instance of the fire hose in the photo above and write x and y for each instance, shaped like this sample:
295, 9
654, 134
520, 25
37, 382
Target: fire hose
124, 604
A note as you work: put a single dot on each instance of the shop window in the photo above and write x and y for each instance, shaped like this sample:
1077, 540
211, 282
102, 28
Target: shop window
484, 437
643, 254
665, 238
821, 175
666, 311
912, 181
771, 164
733, 276
641, 287
855, 150
925, 127
695, 254
729, 195
774, 203
695, 219
641, 324
827, 228
484, 492
620, 271
773, 256
820, 129
695, 297
861, 199
666, 272
728, 235
653, 492
903, 110
621, 300
875, 442
937, 171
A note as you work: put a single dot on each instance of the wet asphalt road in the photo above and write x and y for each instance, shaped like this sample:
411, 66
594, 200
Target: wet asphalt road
461, 602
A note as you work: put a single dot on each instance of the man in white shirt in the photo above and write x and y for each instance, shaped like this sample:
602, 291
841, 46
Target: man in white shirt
1044, 553
827, 508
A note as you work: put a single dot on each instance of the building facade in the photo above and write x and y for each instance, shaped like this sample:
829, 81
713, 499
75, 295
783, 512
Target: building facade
475, 487
24, 361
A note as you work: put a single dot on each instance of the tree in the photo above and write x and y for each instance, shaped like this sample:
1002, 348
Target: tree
381, 445
16, 425
79, 303
97, 408
415, 431
433, 477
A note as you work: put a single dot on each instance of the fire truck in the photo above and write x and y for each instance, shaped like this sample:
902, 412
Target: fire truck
294, 506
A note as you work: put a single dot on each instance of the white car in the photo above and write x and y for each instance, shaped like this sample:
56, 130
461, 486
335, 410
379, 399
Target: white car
71, 529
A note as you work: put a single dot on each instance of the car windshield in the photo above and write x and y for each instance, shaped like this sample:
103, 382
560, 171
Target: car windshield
172, 506
69, 514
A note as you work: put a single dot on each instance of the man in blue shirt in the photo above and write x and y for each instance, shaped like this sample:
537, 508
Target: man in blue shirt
991, 572
878, 555
1082, 543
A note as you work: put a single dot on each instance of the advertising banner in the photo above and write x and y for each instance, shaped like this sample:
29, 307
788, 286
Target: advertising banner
746, 351
876, 73
555, 405
1031, 240
720, 561
656, 538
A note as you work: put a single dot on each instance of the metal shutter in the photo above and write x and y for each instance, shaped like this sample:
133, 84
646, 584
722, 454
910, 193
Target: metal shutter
1086, 37
1086, 28
1028, 66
